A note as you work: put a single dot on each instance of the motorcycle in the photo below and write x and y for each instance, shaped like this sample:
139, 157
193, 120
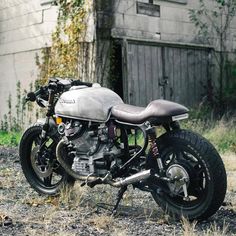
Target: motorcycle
86, 136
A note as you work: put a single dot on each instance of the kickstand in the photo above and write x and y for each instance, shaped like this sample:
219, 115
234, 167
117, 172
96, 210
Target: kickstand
119, 197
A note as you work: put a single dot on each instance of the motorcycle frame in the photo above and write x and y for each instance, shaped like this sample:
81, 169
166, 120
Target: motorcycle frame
147, 128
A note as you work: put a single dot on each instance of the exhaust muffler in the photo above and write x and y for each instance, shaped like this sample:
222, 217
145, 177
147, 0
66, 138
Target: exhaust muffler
140, 176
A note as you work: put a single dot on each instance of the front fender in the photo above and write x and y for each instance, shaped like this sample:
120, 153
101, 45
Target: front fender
52, 125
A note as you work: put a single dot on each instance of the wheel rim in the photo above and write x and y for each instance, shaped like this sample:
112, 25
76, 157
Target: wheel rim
197, 185
45, 169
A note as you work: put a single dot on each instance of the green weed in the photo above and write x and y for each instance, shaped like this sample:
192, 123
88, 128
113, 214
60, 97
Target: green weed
9, 138
221, 133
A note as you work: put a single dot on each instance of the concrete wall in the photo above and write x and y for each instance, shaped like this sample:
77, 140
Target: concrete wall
173, 24
25, 28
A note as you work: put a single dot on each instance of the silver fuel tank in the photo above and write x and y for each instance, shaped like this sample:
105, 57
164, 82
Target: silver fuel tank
91, 104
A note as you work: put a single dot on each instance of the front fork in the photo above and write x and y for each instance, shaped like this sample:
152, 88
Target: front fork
46, 125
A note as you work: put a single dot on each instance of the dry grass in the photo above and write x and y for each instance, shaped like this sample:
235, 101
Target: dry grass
214, 230
222, 133
229, 160
189, 229
77, 206
102, 223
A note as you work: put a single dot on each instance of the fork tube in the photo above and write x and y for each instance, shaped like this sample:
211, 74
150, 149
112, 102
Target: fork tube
48, 114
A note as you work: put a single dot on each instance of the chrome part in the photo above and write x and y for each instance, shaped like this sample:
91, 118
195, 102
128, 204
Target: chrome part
180, 117
43, 102
179, 179
80, 166
140, 176
61, 128
160, 165
186, 196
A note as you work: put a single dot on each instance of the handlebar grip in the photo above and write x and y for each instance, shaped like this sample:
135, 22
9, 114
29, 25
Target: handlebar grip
32, 96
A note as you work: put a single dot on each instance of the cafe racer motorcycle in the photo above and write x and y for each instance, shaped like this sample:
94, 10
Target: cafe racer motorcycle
87, 133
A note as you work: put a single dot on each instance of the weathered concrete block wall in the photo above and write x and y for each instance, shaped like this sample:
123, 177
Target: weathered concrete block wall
160, 21
173, 23
25, 28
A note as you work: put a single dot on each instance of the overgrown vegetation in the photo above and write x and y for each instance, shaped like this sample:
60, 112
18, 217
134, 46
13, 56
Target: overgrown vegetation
18, 114
213, 21
9, 138
220, 132
62, 58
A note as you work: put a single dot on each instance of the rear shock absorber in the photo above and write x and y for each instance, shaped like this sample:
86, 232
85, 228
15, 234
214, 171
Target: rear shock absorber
154, 149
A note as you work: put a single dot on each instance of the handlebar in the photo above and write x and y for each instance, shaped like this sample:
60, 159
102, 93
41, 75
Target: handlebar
32, 96
57, 85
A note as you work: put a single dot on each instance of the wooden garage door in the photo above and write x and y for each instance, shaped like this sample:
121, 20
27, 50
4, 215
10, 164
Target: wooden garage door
175, 73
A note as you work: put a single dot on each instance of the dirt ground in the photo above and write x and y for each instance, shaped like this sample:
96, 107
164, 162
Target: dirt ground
84, 211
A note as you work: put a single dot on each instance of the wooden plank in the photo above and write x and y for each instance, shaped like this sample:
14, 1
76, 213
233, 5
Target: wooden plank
148, 74
125, 70
198, 76
168, 71
135, 100
154, 73
191, 74
205, 71
152, 77
171, 74
135, 83
129, 81
159, 72
176, 60
141, 77
184, 78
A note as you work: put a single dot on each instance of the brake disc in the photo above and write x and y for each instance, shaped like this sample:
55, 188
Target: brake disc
43, 170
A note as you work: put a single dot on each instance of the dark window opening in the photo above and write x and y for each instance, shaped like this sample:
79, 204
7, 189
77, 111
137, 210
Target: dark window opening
116, 74
148, 9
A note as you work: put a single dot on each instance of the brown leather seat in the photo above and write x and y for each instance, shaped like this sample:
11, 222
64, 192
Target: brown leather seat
161, 110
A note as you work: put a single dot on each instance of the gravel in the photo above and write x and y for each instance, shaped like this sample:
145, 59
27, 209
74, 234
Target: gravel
85, 211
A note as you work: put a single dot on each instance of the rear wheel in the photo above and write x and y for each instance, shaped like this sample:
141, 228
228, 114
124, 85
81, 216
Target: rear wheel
198, 185
41, 169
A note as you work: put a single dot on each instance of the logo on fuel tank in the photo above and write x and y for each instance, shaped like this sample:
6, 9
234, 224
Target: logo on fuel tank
67, 101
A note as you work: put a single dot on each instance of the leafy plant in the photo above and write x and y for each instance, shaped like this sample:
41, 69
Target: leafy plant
213, 20
62, 58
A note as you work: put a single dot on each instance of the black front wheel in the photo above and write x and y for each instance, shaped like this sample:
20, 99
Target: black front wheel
39, 165
198, 185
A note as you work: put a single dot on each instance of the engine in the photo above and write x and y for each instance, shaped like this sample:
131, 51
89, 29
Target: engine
93, 151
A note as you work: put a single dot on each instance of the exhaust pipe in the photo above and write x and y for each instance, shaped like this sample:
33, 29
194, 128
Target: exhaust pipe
143, 175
